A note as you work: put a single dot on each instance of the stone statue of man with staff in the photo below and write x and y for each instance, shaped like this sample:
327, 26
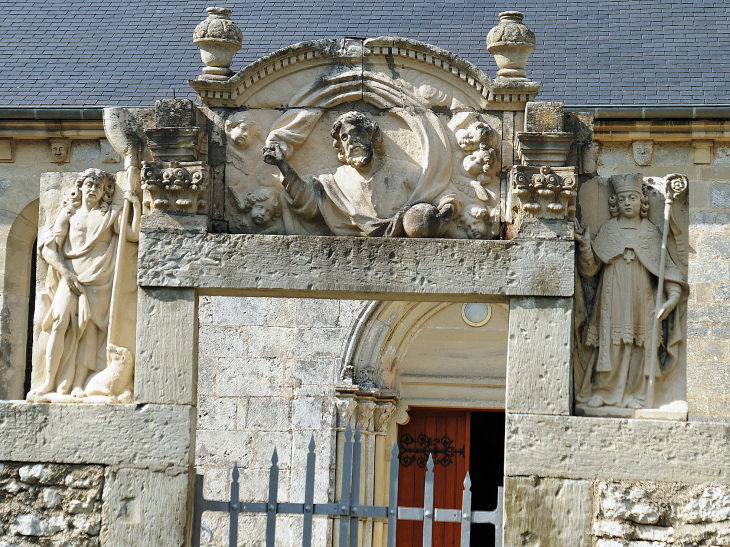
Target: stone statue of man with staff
81, 251
640, 286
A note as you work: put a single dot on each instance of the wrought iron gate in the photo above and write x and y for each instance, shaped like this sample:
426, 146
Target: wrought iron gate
349, 511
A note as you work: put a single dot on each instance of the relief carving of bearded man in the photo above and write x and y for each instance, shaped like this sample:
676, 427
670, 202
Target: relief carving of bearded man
626, 253
368, 194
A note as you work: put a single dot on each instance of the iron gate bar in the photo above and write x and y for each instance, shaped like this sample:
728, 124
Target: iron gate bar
428, 504
272, 505
233, 508
348, 509
466, 511
393, 496
309, 495
355, 509
346, 475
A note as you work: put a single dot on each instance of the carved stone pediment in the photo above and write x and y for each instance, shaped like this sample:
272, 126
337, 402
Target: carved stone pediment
435, 124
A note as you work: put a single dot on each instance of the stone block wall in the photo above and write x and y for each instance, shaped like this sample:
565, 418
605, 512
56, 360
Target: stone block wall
50, 505
266, 377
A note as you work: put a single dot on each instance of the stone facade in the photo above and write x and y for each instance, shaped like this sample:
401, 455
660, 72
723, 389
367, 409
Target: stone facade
309, 241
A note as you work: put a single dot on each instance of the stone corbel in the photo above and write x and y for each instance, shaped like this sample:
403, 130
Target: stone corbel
7, 150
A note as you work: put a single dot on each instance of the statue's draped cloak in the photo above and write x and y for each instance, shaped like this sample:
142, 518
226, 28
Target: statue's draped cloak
622, 315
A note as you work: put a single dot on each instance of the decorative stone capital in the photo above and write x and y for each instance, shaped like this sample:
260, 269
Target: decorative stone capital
175, 187
219, 39
511, 43
542, 192
383, 413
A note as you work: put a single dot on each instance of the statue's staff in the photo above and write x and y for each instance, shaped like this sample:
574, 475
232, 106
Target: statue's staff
123, 134
676, 185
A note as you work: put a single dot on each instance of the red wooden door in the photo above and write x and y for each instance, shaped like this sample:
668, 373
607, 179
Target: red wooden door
446, 431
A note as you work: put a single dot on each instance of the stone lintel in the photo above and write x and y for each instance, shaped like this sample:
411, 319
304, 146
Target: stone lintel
588, 448
153, 436
355, 267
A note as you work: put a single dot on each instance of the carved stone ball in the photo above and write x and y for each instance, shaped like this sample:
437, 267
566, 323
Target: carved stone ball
422, 220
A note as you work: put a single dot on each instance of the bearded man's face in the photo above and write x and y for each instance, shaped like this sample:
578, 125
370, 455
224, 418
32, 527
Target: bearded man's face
357, 147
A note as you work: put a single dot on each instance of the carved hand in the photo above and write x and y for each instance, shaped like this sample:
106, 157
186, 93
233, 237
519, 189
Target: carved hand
274, 155
73, 283
131, 197
668, 306
583, 238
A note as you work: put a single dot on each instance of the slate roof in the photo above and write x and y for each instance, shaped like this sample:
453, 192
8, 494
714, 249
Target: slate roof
131, 52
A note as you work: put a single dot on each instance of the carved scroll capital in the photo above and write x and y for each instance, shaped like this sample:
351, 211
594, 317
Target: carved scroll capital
175, 187
542, 192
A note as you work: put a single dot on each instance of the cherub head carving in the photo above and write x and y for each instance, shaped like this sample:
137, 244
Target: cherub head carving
480, 161
59, 150
263, 205
470, 138
356, 138
242, 129
476, 222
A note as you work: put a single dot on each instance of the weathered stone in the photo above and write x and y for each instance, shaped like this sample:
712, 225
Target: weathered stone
167, 346
112, 434
356, 267
538, 360
582, 448
666, 512
143, 507
31, 474
548, 512
544, 117
52, 498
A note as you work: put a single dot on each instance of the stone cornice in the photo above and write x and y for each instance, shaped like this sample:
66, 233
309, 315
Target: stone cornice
661, 130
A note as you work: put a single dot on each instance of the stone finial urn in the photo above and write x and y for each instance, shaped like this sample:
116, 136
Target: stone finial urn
511, 43
218, 38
